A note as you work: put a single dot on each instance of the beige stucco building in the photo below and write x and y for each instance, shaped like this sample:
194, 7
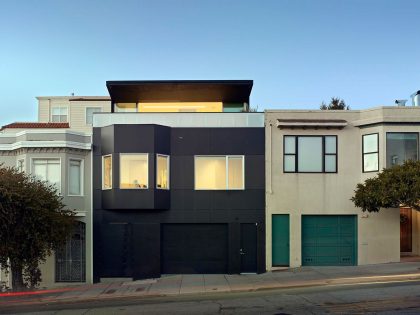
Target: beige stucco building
314, 160
57, 148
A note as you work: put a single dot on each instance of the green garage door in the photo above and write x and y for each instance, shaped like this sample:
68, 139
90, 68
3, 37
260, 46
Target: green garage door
329, 240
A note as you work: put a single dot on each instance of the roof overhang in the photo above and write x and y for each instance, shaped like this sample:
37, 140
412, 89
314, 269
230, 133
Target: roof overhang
235, 91
311, 123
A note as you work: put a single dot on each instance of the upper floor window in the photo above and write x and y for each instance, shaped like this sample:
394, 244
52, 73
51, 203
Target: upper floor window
219, 172
59, 114
89, 114
162, 171
21, 165
48, 170
125, 107
310, 154
107, 172
370, 144
400, 147
134, 171
75, 177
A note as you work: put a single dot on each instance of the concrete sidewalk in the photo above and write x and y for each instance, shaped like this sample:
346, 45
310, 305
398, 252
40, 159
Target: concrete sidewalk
175, 285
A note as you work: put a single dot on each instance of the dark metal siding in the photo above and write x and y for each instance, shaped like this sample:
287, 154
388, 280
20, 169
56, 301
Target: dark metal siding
138, 253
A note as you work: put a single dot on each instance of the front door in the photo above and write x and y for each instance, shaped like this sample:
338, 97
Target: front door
248, 250
280, 239
405, 230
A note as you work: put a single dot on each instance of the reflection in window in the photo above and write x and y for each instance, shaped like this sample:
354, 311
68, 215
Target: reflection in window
162, 171
401, 147
48, 170
370, 153
310, 154
134, 171
89, 114
107, 172
75, 177
219, 172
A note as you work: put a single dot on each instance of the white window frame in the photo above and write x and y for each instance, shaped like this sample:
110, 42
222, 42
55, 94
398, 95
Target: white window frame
148, 167
48, 158
24, 164
81, 177
227, 171
86, 108
102, 171
169, 171
60, 106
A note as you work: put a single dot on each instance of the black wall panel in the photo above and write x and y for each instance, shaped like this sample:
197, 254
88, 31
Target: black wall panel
136, 241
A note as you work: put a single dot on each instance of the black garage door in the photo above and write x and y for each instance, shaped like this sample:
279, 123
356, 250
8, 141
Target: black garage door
194, 248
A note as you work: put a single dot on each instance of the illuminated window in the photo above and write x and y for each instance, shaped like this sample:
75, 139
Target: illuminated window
134, 171
219, 172
400, 147
125, 107
162, 171
107, 172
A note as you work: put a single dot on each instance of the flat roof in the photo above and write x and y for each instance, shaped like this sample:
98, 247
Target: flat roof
235, 91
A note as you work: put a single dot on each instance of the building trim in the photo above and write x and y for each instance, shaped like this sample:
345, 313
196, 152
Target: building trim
45, 144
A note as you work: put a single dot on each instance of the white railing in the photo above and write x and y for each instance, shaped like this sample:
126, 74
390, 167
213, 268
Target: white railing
187, 120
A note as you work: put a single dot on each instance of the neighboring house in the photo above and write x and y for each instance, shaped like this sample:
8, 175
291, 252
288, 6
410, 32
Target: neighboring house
61, 156
178, 180
76, 110
314, 161
57, 148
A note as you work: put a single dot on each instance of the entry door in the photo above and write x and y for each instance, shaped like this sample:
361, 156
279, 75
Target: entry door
405, 230
248, 250
280, 239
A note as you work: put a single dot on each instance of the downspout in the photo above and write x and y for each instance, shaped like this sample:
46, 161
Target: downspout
270, 175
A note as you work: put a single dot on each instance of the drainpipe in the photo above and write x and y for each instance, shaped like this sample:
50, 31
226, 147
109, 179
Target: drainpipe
269, 157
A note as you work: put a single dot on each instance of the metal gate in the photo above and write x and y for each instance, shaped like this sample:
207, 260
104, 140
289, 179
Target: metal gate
70, 261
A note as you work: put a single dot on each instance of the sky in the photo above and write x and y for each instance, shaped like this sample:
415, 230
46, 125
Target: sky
299, 53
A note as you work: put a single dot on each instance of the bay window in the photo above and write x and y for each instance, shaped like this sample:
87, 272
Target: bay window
219, 172
107, 172
400, 147
162, 171
370, 147
134, 171
48, 170
75, 177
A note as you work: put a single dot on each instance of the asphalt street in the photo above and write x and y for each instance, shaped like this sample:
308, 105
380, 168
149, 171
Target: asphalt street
371, 298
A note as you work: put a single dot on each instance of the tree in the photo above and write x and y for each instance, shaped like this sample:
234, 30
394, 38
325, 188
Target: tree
393, 187
335, 104
33, 223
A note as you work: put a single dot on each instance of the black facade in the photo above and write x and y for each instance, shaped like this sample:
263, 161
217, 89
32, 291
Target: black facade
146, 233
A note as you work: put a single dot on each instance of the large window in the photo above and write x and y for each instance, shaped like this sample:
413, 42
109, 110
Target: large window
107, 172
75, 177
134, 171
89, 114
370, 144
162, 171
59, 114
219, 172
48, 170
401, 147
310, 154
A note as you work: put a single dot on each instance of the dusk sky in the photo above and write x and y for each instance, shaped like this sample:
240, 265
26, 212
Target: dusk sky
299, 53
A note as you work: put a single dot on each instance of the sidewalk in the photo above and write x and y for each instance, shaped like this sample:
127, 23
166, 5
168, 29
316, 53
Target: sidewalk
177, 285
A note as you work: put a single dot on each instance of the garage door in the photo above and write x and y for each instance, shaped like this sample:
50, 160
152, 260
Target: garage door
194, 248
329, 240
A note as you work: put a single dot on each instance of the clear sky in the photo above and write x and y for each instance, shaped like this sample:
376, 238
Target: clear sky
299, 53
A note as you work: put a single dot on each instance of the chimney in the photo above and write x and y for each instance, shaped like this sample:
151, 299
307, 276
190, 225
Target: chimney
415, 97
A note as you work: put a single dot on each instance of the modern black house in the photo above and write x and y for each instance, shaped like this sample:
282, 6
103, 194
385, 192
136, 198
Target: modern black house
178, 180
